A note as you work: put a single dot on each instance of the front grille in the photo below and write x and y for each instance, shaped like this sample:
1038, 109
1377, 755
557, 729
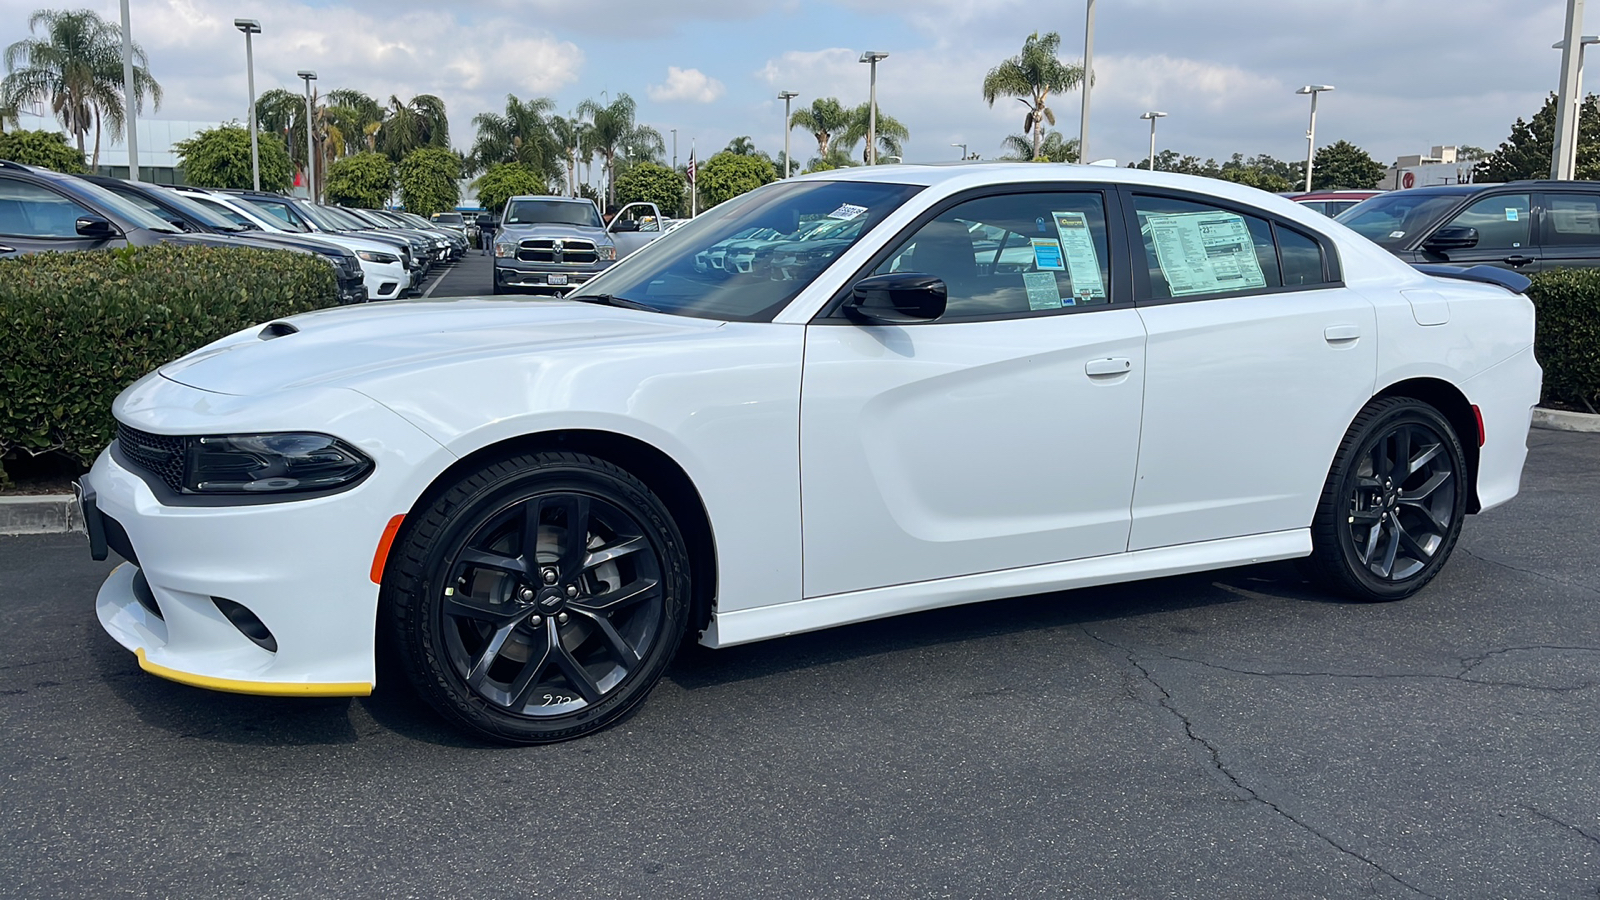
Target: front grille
160, 454
557, 251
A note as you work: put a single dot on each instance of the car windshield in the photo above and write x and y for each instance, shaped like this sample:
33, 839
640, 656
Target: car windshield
1394, 219
335, 219
552, 212
448, 218
277, 211
207, 216
135, 215
811, 223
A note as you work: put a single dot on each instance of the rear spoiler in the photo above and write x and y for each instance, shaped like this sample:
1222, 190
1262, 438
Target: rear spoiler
1511, 281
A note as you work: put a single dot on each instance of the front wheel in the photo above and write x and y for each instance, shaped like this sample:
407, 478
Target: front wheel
1392, 507
539, 598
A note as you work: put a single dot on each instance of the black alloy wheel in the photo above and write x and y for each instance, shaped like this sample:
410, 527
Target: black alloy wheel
1393, 506
539, 599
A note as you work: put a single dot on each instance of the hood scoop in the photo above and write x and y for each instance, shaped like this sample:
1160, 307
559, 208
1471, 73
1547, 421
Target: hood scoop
277, 330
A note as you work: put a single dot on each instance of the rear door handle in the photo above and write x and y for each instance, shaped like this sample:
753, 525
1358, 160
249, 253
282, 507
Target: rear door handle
1519, 261
1338, 334
1116, 365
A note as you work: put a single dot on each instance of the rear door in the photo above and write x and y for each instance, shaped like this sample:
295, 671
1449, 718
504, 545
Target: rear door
1569, 230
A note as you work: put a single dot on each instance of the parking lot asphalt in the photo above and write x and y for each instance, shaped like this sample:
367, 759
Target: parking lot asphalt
470, 276
1231, 734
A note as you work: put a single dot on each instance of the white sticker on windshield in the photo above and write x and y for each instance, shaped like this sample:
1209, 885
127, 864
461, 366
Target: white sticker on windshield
1397, 234
847, 211
1077, 245
1206, 252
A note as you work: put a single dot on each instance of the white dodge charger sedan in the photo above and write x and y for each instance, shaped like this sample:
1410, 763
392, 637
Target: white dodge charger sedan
987, 381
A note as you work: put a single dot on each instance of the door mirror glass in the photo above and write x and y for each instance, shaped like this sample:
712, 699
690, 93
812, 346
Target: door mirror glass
92, 226
621, 225
901, 298
1452, 237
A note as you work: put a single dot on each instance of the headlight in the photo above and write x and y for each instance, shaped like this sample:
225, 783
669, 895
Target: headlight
606, 251
505, 249
441, 243
374, 256
271, 463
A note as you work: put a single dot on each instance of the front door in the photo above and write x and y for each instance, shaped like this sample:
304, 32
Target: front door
1003, 434
35, 219
1506, 236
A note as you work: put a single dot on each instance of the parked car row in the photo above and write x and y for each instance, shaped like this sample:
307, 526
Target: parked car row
377, 254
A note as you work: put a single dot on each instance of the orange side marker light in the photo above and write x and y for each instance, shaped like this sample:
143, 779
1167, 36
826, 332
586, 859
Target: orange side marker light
380, 558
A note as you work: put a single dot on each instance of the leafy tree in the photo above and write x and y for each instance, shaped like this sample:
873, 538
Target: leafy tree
1466, 152
837, 158
614, 132
45, 149
727, 175
825, 118
1528, 151
1257, 178
412, 125
891, 134
428, 180
1032, 76
650, 182
220, 158
1343, 166
76, 67
283, 113
365, 181
1054, 148
522, 136
506, 180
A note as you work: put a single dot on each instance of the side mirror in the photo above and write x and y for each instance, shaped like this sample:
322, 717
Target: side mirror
621, 225
180, 224
1452, 237
93, 226
900, 298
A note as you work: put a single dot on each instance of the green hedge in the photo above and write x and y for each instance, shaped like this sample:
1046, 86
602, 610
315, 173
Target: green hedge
77, 328
1568, 342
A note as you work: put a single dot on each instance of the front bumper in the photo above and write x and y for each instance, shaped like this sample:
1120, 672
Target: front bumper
301, 568
515, 274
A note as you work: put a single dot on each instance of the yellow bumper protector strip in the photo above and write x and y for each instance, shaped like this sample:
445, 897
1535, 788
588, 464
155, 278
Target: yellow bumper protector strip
264, 688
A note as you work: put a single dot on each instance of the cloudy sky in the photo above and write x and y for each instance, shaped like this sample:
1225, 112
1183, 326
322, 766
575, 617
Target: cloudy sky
1409, 74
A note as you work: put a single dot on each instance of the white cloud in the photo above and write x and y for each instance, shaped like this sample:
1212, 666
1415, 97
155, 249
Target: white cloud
686, 85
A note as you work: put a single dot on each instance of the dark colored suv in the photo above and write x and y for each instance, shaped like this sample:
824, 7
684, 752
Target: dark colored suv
41, 211
1525, 226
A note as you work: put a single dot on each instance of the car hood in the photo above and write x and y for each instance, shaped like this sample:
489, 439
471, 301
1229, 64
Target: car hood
347, 345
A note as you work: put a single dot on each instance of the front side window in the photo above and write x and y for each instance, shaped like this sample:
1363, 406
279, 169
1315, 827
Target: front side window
1013, 254
1196, 250
1571, 220
281, 213
28, 210
1502, 222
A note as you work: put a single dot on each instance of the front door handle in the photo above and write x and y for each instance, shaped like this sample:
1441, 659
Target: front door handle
1519, 261
1338, 334
5, 249
1116, 365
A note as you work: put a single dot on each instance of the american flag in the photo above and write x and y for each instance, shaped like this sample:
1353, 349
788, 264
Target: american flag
691, 167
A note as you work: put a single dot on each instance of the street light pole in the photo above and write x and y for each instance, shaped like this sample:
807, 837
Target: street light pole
786, 96
1153, 115
1570, 160
1567, 100
1088, 79
871, 57
963, 149
1311, 131
129, 98
311, 153
249, 27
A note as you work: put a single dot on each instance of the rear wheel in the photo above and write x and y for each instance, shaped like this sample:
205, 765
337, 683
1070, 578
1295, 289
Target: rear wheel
1392, 508
539, 598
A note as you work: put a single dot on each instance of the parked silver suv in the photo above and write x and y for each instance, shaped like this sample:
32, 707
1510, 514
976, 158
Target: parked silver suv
550, 245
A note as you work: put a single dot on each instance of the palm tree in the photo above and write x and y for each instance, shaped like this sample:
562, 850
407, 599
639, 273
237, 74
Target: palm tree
572, 136
354, 120
891, 134
1054, 147
826, 118
283, 113
414, 125
1031, 76
741, 146
614, 132
77, 68
523, 135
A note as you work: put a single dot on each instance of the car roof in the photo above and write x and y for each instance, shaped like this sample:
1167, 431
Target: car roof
1337, 195
553, 199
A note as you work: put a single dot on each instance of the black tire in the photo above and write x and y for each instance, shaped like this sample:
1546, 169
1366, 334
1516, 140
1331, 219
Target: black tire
531, 640
1392, 508
495, 288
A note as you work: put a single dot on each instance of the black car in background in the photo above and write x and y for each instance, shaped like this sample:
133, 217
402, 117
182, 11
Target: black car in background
42, 211
1525, 226
194, 218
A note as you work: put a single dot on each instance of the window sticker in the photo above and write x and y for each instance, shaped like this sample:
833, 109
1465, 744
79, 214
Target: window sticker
1511, 214
1041, 225
1042, 291
1047, 255
1077, 245
1397, 234
1206, 252
847, 211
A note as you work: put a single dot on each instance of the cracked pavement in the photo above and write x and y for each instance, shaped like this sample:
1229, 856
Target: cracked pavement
1231, 734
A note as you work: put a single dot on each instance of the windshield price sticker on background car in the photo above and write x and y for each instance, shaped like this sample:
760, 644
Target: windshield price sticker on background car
1206, 252
1077, 245
1042, 291
1047, 255
847, 211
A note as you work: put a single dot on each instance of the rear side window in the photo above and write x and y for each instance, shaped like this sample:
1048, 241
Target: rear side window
1196, 250
1571, 220
1300, 256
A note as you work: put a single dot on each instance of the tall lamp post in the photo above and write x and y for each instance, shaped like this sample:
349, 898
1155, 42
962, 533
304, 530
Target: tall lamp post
249, 27
1153, 115
1569, 96
1568, 163
963, 149
311, 152
129, 97
1311, 131
871, 58
674, 149
1088, 79
786, 96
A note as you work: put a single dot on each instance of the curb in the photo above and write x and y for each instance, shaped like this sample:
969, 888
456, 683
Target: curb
1561, 420
41, 514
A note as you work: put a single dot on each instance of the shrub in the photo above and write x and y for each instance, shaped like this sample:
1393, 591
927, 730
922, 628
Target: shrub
727, 175
428, 180
647, 182
220, 158
365, 181
45, 149
80, 327
1568, 342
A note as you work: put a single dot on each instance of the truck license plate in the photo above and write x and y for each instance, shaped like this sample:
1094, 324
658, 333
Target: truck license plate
556, 279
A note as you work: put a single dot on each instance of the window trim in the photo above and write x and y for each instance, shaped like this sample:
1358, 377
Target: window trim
1139, 271
70, 199
1120, 291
